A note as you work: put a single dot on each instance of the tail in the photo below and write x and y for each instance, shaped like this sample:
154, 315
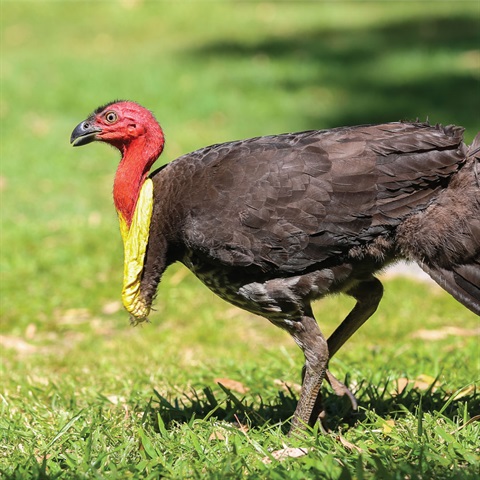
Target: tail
462, 282
474, 148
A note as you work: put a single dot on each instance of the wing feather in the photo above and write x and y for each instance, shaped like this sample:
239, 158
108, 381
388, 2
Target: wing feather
291, 201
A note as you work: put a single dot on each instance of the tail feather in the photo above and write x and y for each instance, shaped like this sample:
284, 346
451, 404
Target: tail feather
474, 148
462, 282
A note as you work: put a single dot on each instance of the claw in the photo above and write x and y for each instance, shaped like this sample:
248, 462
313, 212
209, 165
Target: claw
340, 389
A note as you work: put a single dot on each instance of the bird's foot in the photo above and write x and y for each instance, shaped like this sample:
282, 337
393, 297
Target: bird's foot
340, 389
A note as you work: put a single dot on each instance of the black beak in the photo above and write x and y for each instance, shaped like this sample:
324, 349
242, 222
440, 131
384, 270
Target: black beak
84, 133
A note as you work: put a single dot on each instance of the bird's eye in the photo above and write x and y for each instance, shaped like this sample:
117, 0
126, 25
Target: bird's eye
111, 117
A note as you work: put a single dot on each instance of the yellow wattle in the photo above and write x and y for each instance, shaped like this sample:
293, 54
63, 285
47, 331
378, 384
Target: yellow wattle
135, 240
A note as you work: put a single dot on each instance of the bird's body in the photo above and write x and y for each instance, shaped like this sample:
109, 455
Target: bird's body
278, 207
272, 223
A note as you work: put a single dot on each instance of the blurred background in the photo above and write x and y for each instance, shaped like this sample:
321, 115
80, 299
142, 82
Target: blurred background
211, 72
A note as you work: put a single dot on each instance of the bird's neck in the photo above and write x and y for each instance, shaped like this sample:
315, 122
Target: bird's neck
137, 158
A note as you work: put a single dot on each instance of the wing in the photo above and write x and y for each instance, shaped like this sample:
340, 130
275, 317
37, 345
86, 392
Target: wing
289, 202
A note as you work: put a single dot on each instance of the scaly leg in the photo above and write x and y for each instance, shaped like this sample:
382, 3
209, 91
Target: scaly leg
368, 294
309, 338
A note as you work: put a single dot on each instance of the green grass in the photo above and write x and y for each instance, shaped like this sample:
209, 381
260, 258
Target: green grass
86, 396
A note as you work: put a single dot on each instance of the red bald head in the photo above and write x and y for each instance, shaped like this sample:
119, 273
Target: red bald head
136, 133
119, 123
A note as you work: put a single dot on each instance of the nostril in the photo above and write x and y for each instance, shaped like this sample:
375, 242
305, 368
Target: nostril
85, 125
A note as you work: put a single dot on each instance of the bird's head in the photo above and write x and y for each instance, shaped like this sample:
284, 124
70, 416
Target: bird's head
136, 133
121, 124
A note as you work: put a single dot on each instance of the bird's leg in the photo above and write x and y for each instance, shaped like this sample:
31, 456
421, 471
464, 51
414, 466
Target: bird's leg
368, 294
341, 389
309, 338
338, 388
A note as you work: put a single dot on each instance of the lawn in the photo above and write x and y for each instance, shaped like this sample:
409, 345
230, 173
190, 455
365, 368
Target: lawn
206, 390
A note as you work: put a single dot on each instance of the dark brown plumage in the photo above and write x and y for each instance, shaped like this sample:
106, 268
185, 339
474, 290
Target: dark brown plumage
272, 223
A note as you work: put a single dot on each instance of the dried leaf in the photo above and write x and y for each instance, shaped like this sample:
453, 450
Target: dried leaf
30, 331
429, 334
94, 219
401, 385
465, 392
425, 382
116, 399
288, 452
241, 426
348, 444
462, 332
388, 426
444, 332
111, 307
232, 385
217, 435
476, 418
73, 316
287, 386
16, 343
422, 382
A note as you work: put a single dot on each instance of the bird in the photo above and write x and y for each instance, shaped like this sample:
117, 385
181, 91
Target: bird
272, 223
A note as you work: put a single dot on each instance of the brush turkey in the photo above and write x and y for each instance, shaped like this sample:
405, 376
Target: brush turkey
272, 223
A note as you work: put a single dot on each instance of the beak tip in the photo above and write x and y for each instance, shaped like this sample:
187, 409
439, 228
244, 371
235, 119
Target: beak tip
83, 134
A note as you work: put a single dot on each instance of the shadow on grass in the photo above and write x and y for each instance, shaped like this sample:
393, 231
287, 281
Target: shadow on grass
380, 400
223, 405
400, 70
228, 406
